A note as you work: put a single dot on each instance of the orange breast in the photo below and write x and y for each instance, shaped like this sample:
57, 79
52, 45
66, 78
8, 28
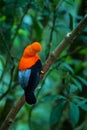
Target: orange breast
27, 62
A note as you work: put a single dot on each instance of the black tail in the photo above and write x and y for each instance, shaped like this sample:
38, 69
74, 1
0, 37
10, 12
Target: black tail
30, 98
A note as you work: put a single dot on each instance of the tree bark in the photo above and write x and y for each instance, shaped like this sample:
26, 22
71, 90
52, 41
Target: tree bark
52, 57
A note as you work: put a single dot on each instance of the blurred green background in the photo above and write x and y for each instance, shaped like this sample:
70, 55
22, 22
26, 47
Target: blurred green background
62, 100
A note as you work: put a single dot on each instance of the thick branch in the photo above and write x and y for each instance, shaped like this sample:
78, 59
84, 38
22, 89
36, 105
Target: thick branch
64, 43
10, 117
52, 57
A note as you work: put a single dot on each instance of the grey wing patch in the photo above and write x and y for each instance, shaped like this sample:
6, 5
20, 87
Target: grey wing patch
23, 77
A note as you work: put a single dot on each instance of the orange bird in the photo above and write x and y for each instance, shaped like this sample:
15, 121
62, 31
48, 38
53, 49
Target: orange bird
30, 67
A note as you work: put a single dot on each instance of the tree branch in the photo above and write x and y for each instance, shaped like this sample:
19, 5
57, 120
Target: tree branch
52, 57
64, 43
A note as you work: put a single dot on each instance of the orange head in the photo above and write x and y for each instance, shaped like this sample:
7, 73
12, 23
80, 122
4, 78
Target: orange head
36, 47
32, 49
30, 56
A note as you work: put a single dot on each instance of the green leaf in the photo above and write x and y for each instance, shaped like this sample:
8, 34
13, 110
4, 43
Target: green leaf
3, 18
82, 80
23, 32
73, 88
81, 102
77, 83
69, 2
84, 107
68, 67
83, 51
49, 98
74, 113
57, 113
77, 99
2, 63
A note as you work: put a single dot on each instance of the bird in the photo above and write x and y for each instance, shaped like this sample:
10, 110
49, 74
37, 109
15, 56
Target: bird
29, 70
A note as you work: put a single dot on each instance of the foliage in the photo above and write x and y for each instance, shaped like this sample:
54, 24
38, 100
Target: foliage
63, 89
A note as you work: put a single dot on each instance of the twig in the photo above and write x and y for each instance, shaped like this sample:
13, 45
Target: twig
8, 90
6, 45
10, 84
67, 40
51, 34
19, 25
53, 27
